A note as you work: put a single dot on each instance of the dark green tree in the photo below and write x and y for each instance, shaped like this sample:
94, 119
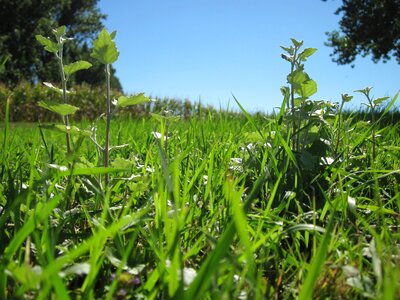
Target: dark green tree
367, 27
21, 20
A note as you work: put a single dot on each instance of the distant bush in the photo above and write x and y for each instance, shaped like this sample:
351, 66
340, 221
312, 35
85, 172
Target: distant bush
24, 98
90, 100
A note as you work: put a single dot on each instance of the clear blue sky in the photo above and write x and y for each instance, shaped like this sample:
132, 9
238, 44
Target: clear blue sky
211, 49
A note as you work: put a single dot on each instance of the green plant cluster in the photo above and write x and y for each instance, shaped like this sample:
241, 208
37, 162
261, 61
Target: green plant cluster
301, 204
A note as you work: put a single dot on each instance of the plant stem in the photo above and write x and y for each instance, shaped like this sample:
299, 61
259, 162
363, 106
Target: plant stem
292, 103
108, 123
64, 88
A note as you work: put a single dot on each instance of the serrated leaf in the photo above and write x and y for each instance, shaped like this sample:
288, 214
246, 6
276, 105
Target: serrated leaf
72, 130
104, 48
48, 45
307, 53
76, 66
59, 108
124, 101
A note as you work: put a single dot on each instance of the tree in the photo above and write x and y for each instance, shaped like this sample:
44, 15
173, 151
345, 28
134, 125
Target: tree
23, 19
368, 27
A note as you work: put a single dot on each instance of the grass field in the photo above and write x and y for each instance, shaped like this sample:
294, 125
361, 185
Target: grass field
300, 204
219, 207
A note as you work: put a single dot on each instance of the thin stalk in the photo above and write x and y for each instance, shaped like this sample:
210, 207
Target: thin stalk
295, 125
108, 123
339, 128
64, 88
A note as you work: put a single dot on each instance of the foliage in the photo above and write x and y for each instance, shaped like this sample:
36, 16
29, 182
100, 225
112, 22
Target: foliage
367, 27
90, 100
104, 51
214, 206
65, 71
23, 20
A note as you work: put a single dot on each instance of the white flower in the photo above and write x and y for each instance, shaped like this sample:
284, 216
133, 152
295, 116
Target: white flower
236, 160
189, 274
158, 135
250, 146
326, 161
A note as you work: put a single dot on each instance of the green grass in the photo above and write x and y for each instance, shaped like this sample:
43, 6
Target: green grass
225, 198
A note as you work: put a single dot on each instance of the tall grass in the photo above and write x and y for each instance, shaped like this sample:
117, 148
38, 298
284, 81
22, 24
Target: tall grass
303, 203
212, 215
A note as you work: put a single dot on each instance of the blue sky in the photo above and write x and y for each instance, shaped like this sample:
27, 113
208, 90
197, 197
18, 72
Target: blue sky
211, 49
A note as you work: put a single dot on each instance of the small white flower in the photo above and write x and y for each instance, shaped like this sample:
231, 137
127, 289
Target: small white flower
268, 145
250, 146
189, 274
326, 161
149, 169
158, 135
236, 160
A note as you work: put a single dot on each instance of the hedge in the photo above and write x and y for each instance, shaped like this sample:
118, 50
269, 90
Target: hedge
90, 99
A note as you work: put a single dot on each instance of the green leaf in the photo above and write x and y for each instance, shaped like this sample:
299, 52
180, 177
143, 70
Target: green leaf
25, 274
317, 263
307, 53
60, 32
59, 108
380, 100
76, 66
364, 91
104, 48
308, 88
286, 57
122, 163
125, 101
48, 45
161, 118
50, 85
113, 34
297, 77
289, 50
296, 43
346, 98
